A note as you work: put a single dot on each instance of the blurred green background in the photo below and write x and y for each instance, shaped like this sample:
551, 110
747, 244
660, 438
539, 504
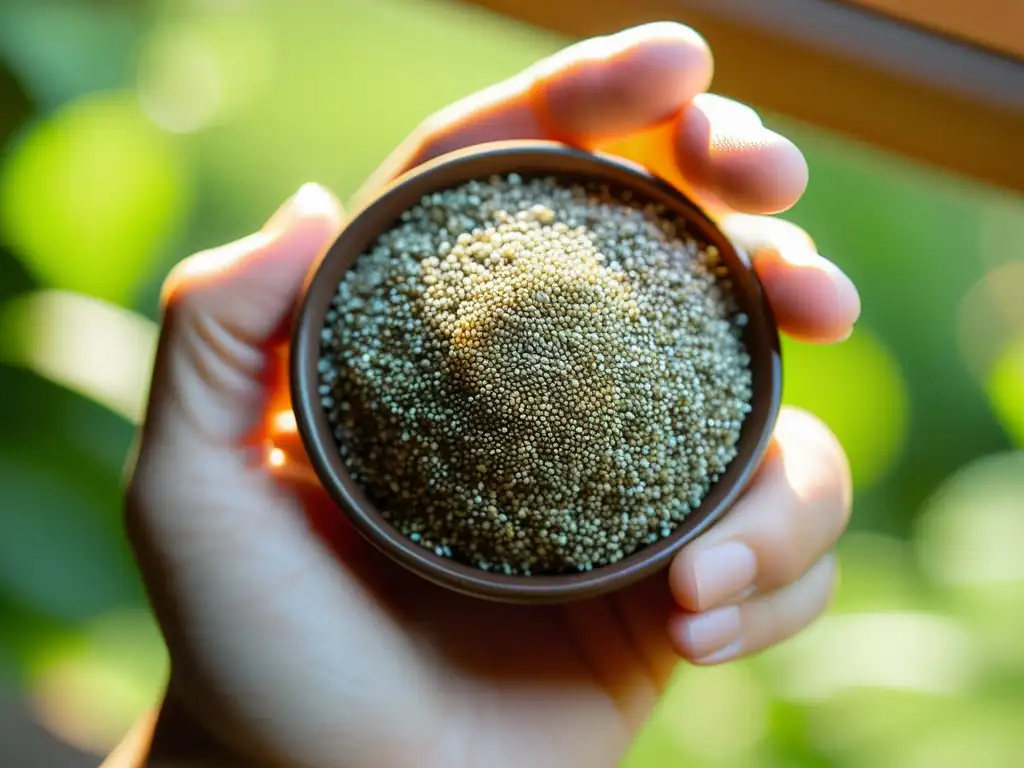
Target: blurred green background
137, 132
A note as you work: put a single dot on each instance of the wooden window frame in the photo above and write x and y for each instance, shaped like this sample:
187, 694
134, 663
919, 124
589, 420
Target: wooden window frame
923, 78
994, 24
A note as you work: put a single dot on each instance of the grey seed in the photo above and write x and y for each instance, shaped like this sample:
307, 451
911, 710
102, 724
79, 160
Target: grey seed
535, 378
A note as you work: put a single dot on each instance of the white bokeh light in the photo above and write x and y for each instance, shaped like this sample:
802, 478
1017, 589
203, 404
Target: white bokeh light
972, 530
94, 348
897, 650
180, 82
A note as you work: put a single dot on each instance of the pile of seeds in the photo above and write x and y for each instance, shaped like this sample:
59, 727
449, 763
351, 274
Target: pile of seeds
533, 377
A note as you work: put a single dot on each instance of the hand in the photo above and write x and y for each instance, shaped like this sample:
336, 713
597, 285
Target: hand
293, 642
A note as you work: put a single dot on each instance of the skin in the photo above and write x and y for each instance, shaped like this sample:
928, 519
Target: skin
293, 643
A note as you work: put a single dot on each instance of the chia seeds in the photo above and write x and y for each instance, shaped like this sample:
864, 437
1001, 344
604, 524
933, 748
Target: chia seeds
535, 378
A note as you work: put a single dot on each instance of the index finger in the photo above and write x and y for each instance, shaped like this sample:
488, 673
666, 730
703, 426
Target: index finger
589, 92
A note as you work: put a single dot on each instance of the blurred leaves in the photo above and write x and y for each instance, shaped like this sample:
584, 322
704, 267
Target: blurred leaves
15, 105
972, 532
56, 553
857, 389
64, 432
90, 195
911, 238
865, 727
986, 734
878, 573
338, 86
94, 348
13, 277
1006, 390
122, 655
9, 666
142, 131
199, 70
969, 539
64, 48
712, 716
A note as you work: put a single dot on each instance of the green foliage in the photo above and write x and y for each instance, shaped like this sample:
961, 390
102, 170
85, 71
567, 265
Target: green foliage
857, 389
136, 132
58, 553
89, 194
1006, 389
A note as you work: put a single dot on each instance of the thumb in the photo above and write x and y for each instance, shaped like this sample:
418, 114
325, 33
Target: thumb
253, 605
223, 308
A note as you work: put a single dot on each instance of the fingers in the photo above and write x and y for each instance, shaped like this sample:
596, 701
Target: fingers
236, 564
765, 572
792, 514
718, 151
222, 307
732, 631
812, 299
613, 86
640, 94
592, 90
723, 148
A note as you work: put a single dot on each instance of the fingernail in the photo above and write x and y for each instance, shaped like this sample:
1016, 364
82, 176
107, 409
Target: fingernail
731, 650
706, 634
309, 198
723, 572
847, 294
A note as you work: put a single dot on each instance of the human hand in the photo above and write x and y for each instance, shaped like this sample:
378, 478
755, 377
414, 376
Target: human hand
293, 642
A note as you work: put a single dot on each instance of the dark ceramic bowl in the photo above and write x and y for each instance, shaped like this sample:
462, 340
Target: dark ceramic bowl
526, 159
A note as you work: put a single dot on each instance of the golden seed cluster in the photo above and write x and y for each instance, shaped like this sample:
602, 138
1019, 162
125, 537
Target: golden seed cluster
533, 377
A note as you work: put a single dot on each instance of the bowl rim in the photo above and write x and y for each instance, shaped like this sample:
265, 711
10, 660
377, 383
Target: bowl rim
528, 158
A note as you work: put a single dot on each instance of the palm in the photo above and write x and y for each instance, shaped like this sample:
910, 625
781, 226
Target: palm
531, 676
316, 622
517, 679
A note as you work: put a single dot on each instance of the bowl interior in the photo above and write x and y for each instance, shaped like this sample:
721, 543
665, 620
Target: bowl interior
527, 159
